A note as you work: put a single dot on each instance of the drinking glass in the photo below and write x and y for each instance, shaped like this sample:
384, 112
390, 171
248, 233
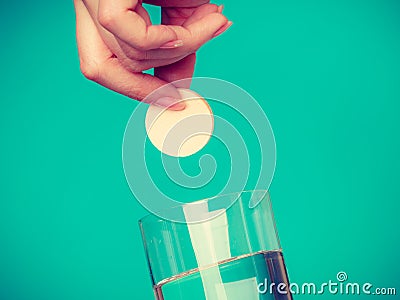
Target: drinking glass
230, 252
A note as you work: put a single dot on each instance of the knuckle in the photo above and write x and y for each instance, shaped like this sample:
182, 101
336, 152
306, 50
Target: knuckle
90, 70
106, 17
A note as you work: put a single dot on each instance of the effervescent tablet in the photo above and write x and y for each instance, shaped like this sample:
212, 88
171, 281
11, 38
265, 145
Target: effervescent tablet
181, 133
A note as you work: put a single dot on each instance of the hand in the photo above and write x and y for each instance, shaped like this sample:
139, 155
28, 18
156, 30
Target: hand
117, 42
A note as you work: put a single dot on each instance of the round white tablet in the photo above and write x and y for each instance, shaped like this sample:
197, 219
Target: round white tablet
181, 133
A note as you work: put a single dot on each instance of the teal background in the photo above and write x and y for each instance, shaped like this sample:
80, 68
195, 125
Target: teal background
327, 73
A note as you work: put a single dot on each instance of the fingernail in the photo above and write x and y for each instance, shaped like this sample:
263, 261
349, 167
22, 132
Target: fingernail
220, 8
177, 106
223, 29
170, 103
172, 44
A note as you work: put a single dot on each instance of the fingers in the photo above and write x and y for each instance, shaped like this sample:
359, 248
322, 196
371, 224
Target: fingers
177, 3
182, 69
176, 15
197, 23
121, 19
99, 65
139, 66
137, 85
223, 29
201, 12
196, 31
114, 57
204, 28
119, 45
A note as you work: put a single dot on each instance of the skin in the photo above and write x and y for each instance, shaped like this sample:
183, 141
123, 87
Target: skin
117, 42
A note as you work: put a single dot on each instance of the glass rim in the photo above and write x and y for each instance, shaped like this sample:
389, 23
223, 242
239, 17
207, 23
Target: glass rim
160, 219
